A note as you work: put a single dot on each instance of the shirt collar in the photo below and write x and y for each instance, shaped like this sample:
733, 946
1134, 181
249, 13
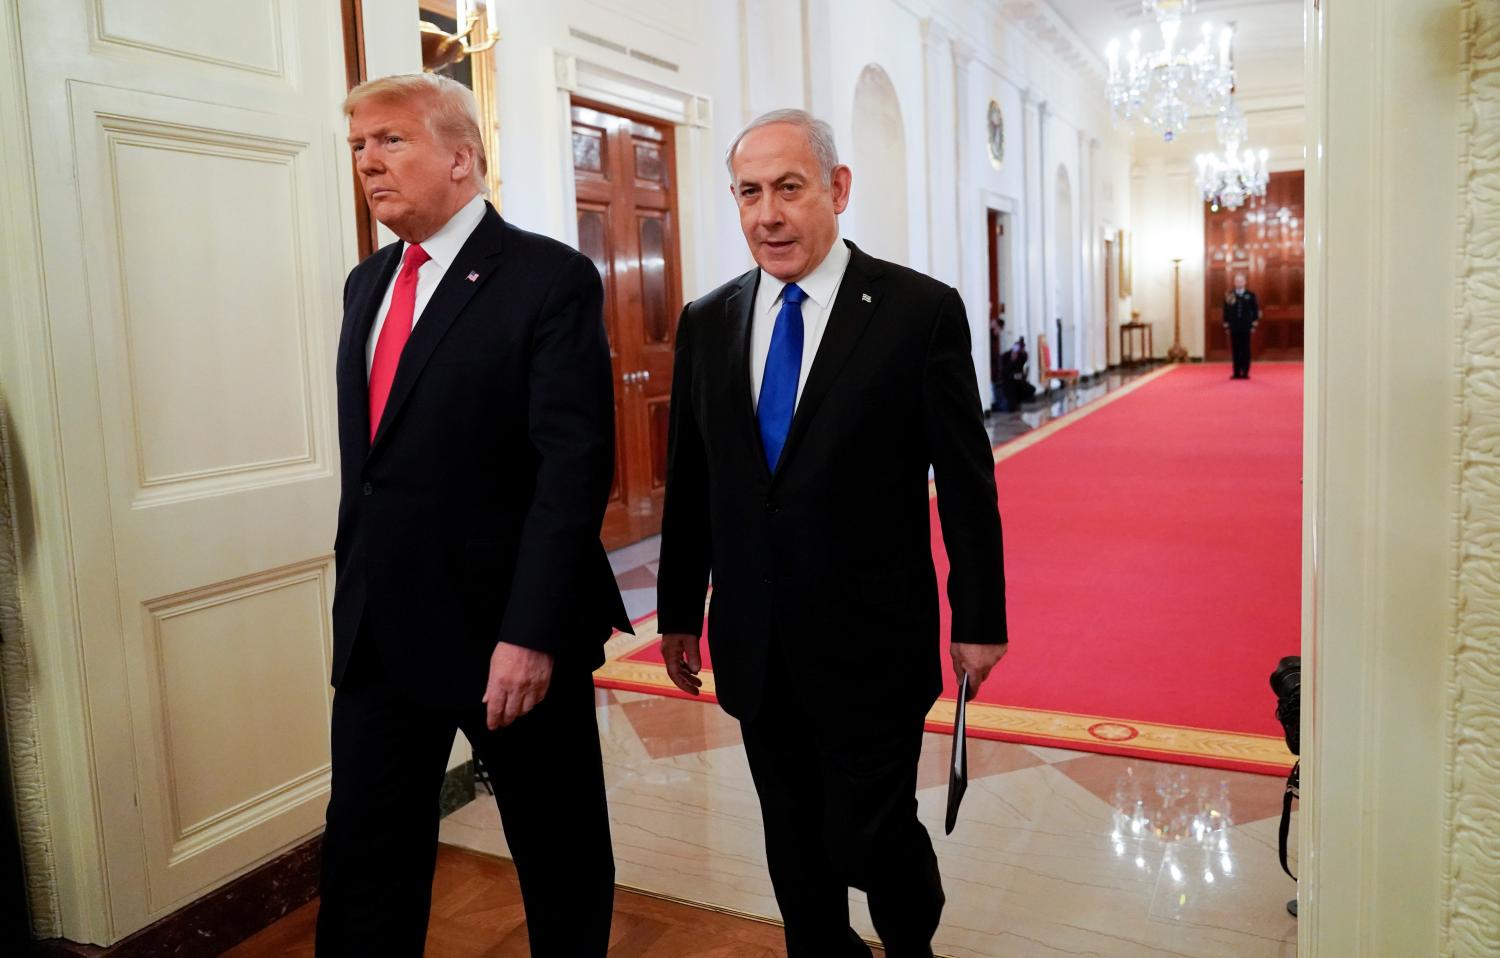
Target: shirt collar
820, 284
442, 247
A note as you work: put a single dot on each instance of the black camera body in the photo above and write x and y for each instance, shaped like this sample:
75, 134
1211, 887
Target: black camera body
1286, 682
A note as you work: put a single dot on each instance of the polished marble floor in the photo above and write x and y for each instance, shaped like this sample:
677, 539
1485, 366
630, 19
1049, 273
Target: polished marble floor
1059, 401
1057, 853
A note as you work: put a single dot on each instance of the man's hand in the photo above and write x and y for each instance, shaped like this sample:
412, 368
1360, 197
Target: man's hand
518, 682
976, 660
680, 652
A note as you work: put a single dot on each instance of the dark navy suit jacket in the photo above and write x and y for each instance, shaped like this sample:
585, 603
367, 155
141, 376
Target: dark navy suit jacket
473, 517
831, 557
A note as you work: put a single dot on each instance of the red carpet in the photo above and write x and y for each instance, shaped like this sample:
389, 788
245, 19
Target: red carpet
1153, 549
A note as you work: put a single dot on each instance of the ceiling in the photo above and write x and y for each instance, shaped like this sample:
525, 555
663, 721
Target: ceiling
1268, 46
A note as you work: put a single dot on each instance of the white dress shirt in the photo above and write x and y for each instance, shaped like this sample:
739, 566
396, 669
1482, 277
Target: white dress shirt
821, 286
442, 247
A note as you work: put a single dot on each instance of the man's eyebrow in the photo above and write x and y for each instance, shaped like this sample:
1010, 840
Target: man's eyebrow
783, 178
376, 132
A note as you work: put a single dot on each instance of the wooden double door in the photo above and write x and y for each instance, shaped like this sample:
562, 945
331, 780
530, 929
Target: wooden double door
1265, 242
626, 186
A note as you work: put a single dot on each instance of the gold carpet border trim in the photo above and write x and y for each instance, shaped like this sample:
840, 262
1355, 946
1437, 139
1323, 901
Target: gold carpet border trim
1061, 727
621, 645
1005, 450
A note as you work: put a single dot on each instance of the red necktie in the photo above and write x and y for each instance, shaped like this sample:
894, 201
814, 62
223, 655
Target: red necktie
394, 334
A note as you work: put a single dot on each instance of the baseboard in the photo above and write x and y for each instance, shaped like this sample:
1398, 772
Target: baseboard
219, 920
228, 915
458, 788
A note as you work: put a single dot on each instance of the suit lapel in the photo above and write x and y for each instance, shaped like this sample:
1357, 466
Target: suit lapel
856, 302
354, 383
740, 312
449, 299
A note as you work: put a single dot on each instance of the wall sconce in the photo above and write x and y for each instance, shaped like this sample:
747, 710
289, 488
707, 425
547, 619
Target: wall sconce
468, 56
440, 49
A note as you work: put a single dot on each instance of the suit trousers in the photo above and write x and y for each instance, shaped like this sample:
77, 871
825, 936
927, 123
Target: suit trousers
1239, 347
390, 757
840, 810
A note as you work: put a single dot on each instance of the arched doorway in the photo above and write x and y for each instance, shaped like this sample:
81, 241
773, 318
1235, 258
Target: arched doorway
880, 158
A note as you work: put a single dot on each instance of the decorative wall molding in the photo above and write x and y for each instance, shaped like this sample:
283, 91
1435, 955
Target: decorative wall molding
1471, 835
21, 303
22, 731
264, 21
582, 77
1055, 36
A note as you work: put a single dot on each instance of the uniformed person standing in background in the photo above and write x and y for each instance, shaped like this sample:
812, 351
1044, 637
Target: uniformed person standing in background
1241, 313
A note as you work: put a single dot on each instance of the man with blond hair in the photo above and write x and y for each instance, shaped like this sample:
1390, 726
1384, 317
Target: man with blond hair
810, 396
476, 436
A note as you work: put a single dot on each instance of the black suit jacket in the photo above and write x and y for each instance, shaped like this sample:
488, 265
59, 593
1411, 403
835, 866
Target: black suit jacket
473, 517
1242, 312
831, 557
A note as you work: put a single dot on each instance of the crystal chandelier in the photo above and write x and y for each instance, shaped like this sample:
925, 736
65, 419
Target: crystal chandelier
1160, 88
1229, 180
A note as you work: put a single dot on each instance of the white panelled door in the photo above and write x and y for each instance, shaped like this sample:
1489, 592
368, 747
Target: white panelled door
191, 181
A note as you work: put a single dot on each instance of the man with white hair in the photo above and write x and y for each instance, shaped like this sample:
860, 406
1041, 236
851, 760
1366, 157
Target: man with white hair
810, 396
476, 434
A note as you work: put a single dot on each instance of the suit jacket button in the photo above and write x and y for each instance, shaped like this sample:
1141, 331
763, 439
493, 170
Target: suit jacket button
772, 508
766, 579
369, 489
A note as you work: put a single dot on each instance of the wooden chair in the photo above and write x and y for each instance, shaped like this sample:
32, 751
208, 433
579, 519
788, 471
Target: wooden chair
1069, 377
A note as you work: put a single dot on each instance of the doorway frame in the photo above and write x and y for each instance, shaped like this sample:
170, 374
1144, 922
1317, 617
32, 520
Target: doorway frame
1107, 276
999, 258
691, 117
642, 515
1020, 258
1399, 489
688, 117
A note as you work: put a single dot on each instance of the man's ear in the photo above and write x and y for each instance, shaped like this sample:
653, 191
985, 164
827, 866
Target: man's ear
464, 160
841, 183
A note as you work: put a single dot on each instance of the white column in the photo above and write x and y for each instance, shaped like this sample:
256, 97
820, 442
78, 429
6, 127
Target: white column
1099, 324
1046, 185
818, 38
771, 56
937, 78
1400, 817
968, 222
966, 218
1084, 318
1032, 215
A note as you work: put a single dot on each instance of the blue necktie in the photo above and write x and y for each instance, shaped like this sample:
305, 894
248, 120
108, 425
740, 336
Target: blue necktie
778, 388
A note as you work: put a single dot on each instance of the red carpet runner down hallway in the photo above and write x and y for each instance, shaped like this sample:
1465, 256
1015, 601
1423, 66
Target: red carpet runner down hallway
1153, 550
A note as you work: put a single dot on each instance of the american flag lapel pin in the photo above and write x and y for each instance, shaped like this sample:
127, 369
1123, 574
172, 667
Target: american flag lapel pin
865, 297
473, 276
